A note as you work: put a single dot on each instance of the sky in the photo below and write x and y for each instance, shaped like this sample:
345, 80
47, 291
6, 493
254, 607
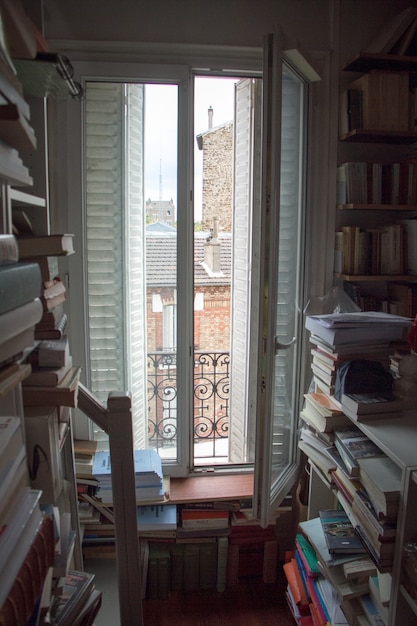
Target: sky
161, 133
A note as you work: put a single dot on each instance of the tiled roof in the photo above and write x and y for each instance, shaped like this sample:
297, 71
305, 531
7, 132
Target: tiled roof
161, 264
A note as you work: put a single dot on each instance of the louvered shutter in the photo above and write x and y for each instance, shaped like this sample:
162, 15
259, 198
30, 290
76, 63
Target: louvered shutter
115, 245
245, 228
104, 244
135, 273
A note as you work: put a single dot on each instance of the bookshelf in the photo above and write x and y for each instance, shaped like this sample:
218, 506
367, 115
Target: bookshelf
376, 182
398, 439
30, 561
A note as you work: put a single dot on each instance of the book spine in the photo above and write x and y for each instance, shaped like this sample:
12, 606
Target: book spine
222, 551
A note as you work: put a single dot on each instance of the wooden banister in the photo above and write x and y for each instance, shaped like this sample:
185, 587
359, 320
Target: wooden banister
116, 421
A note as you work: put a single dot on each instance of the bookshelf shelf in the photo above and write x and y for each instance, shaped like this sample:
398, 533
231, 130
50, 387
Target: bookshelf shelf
394, 137
396, 208
366, 61
362, 278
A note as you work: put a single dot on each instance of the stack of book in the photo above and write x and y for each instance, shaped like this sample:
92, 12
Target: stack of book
337, 338
20, 304
326, 577
363, 478
45, 250
149, 478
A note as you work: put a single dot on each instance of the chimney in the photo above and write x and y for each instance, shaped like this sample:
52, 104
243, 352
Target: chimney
212, 250
210, 117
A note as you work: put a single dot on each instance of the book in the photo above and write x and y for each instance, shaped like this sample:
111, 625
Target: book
15, 128
157, 517
222, 551
348, 328
51, 332
12, 349
383, 527
320, 416
307, 554
53, 353
11, 441
381, 478
70, 596
9, 251
353, 445
53, 294
359, 568
20, 529
364, 403
204, 518
64, 393
47, 376
22, 318
19, 284
339, 532
45, 245
298, 591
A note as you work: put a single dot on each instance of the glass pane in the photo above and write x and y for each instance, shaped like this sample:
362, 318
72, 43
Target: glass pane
289, 272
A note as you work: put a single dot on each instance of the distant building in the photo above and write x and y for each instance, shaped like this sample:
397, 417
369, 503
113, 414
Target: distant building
217, 147
212, 262
161, 211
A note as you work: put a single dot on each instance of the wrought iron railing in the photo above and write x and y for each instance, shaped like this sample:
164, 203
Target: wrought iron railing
211, 400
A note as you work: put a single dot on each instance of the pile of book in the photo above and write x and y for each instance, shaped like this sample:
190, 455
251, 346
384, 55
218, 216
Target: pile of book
330, 580
149, 477
45, 251
365, 481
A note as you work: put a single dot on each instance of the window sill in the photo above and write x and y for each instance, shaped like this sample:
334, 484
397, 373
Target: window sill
211, 488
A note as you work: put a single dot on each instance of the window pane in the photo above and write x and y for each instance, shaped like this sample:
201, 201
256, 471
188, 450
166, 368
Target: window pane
289, 268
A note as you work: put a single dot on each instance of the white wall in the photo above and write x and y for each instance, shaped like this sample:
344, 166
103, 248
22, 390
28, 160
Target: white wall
220, 22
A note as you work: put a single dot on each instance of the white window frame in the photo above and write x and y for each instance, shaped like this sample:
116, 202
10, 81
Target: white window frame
67, 189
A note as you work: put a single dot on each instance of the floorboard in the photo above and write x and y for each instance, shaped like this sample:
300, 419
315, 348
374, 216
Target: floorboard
248, 604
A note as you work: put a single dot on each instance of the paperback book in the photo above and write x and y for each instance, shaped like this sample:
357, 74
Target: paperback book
339, 532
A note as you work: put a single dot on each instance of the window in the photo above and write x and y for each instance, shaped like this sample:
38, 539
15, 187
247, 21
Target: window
195, 282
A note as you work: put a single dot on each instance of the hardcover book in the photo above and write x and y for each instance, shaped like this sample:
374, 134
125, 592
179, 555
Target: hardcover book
45, 245
339, 533
19, 283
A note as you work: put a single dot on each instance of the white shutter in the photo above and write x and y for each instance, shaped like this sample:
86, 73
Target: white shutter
104, 244
115, 245
135, 273
245, 217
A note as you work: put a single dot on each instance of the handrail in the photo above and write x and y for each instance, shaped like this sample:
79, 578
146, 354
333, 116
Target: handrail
116, 421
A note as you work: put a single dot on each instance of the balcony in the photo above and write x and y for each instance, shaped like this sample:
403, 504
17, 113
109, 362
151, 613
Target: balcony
211, 404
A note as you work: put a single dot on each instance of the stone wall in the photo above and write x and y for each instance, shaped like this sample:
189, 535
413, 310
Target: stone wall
217, 177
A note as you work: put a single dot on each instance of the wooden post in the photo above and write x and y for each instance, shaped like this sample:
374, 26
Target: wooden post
124, 502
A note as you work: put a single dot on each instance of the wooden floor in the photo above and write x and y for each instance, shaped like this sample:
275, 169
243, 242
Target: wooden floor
249, 604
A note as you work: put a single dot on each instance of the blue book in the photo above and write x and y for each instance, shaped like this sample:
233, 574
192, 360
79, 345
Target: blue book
148, 467
157, 517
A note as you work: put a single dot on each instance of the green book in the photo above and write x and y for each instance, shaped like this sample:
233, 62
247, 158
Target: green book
308, 555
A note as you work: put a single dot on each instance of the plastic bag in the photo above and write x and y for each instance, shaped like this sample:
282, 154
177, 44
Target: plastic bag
335, 301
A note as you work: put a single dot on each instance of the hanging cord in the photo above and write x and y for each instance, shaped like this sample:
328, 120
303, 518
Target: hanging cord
38, 452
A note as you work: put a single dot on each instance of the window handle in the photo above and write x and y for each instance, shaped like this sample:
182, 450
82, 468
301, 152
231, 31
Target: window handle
284, 346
